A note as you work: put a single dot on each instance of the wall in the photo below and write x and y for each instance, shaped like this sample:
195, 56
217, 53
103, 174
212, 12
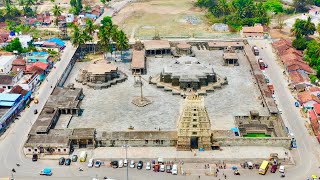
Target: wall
137, 143
31, 151
239, 141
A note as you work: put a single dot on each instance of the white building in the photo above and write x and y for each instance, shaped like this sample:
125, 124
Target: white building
7, 82
70, 18
6, 64
220, 27
24, 39
29, 81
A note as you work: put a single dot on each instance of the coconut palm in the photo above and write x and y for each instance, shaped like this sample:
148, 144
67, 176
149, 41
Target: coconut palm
57, 10
122, 42
224, 8
89, 27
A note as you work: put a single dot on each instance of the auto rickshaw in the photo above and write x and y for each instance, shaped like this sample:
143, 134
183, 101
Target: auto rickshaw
36, 101
236, 172
314, 177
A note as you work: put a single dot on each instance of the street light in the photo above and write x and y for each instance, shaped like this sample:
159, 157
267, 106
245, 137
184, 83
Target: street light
126, 146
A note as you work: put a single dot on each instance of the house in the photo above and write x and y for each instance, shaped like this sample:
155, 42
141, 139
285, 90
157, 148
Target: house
8, 81
255, 31
70, 18
25, 40
307, 100
97, 10
314, 12
138, 64
314, 117
32, 57
91, 16
29, 81
298, 81
19, 90
282, 45
55, 44
6, 63
10, 106
18, 65
40, 68
4, 35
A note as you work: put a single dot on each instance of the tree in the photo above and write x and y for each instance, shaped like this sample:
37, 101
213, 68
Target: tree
299, 43
274, 6
89, 27
280, 21
106, 21
73, 3
224, 8
318, 29
303, 28
76, 39
122, 42
30, 2
301, 5
57, 10
14, 45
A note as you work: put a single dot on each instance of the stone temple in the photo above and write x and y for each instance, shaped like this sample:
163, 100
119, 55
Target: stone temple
188, 73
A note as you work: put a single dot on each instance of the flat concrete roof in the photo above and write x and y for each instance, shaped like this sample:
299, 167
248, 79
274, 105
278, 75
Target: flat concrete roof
140, 135
47, 140
101, 67
44, 121
64, 98
82, 133
156, 44
230, 56
183, 45
225, 44
138, 60
6, 59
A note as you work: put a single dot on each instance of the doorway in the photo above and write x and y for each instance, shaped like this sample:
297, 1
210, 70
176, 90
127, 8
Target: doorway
194, 142
189, 85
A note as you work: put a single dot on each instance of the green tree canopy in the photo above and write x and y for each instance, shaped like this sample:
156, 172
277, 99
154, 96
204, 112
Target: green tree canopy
303, 28
57, 10
274, 6
14, 45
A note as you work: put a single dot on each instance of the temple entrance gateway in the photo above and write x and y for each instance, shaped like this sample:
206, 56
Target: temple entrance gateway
194, 142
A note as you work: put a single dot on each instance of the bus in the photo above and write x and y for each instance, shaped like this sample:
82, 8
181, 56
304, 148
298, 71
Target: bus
264, 167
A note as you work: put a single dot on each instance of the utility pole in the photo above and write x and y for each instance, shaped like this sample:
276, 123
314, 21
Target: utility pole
126, 146
141, 88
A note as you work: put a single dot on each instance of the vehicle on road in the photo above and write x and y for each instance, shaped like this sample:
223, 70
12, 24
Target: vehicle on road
160, 161
97, 164
36, 101
61, 161
280, 111
140, 165
250, 165
281, 169
296, 104
314, 177
148, 166
91, 163
68, 162
46, 172
35, 157
121, 164
162, 168
132, 164
174, 170
83, 156
293, 143
115, 164
264, 167
156, 168
236, 172
273, 168
35, 111
168, 168
125, 163
74, 158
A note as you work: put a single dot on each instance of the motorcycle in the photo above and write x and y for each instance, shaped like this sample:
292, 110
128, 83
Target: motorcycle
80, 169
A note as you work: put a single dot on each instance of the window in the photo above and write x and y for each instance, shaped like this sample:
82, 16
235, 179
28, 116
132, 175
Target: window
194, 114
194, 109
194, 120
146, 141
194, 126
35, 150
64, 150
194, 133
59, 150
29, 150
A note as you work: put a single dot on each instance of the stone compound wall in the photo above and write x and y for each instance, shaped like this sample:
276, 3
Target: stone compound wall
239, 141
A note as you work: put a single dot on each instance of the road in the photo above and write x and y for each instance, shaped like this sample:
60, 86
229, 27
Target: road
306, 155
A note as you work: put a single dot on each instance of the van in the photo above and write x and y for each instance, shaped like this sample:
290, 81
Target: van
174, 170
120, 163
250, 165
83, 156
281, 169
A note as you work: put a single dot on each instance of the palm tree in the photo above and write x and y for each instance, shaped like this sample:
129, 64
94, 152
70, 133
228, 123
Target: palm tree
76, 38
122, 42
89, 27
57, 10
224, 8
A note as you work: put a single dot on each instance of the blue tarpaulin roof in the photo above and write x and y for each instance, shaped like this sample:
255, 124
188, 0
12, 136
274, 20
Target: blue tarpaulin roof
235, 130
92, 16
9, 97
38, 53
6, 103
57, 41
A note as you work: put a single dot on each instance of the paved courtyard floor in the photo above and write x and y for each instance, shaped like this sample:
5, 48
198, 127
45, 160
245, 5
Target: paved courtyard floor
111, 109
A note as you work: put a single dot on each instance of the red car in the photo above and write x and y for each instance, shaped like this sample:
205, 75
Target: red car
273, 168
156, 168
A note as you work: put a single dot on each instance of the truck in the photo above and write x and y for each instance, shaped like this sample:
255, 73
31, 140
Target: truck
255, 50
46, 172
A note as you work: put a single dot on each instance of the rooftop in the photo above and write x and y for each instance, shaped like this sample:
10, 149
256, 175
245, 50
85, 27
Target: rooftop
156, 44
296, 77
44, 121
140, 135
138, 59
183, 45
253, 29
49, 140
101, 67
225, 44
57, 41
230, 55
6, 79
316, 108
64, 98
5, 59
82, 133
306, 96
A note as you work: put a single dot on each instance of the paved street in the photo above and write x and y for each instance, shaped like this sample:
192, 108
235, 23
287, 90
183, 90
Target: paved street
306, 155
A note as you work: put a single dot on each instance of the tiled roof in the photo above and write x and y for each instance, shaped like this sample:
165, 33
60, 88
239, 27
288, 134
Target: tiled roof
18, 62
314, 89
304, 97
254, 29
296, 78
36, 69
316, 108
41, 65
138, 59
18, 90
6, 79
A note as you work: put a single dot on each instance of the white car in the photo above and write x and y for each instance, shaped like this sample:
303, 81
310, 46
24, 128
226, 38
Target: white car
121, 164
162, 168
125, 163
148, 166
132, 164
174, 170
91, 162
97, 164
281, 169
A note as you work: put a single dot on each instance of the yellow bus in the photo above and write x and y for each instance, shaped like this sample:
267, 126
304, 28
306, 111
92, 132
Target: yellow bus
264, 167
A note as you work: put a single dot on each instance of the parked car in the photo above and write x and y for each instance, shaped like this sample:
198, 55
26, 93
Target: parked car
296, 104
140, 165
68, 162
281, 169
91, 163
115, 164
132, 164
162, 168
168, 168
273, 168
148, 166
61, 161
97, 164
174, 170
156, 168
35, 157
121, 164
46, 172
125, 163
74, 158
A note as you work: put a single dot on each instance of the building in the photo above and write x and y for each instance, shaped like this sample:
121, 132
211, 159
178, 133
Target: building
298, 81
55, 44
6, 64
8, 81
40, 68
138, 64
157, 47
220, 27
314, 117
32, 57
221, 45
4, 35
230, 57
194, 127
188, 73
25, 93
25, 40
70, 18
10, 106
29, 81
255, 31
18, 65
62, 26
307, 100
183, 49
